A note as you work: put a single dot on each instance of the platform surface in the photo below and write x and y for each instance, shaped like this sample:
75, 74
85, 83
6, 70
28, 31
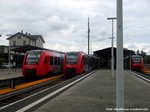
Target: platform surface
6, 74
97, 93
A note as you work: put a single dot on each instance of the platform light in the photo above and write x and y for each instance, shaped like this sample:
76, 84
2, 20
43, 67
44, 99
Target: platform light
88, 35
112, 45
119, 72
9, 35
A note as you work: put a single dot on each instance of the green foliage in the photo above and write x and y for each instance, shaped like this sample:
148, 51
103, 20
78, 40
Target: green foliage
146, 59
141, 53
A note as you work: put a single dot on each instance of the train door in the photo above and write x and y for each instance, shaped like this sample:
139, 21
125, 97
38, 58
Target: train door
45, 66
59, 64
82, 64
51, 64
55, 65
85, 63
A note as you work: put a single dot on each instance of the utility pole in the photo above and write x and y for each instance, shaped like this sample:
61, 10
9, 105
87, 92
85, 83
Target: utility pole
9, 35
112, 46
120, 76
88, 41
88, 36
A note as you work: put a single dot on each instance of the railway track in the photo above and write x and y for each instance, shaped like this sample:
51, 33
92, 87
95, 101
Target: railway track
143, 76
44, 88
12, 82
26, 88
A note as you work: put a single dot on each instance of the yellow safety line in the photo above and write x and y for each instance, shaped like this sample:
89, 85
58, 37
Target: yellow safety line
8, 90
146, 71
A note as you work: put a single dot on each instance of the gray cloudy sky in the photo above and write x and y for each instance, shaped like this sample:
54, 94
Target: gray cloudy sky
63, 23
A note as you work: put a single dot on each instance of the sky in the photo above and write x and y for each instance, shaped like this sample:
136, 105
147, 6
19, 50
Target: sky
63, 23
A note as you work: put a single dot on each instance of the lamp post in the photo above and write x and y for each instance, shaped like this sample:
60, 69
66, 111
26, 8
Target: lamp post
9, 51
88, 35
112, 44
119, 71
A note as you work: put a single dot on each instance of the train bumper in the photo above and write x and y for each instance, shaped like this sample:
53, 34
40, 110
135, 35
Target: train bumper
30, 71
70, 69
137, 68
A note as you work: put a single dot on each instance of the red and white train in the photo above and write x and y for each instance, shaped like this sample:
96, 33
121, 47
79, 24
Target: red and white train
137, 63
42, 62
75, 63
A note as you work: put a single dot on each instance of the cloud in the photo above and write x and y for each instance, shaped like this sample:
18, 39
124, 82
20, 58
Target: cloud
63, 23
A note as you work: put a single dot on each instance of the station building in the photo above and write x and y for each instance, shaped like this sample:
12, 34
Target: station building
105, 56
19, 44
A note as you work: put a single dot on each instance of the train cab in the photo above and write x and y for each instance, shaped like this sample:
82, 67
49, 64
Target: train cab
137, 63
75, 63
42, 62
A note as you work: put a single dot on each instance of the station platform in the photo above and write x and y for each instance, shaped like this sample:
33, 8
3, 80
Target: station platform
13, 73
97, 93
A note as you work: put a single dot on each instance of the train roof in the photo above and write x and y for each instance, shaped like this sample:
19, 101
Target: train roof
76, 52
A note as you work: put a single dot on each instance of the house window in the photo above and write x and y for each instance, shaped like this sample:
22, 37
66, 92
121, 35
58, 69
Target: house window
19, 36
14, 43
24, 42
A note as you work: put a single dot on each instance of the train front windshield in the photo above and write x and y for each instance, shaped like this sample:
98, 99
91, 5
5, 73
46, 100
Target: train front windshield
33, 57
71, 58
136, 60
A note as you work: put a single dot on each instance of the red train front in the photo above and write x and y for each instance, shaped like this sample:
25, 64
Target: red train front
75, 63
137, 63
42, 62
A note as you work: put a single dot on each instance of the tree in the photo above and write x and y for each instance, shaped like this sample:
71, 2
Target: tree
138, 52
143, 53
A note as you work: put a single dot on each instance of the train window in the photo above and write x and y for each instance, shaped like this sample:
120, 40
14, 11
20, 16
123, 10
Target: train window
51, 60
45, 60
55, 60
136, 60
33, 57
71, 57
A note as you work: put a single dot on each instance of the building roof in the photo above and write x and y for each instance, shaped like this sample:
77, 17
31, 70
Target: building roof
28, 35
107, 52
24, 49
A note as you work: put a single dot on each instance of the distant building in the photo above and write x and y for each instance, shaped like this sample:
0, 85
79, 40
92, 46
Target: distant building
20, 39
105, 56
